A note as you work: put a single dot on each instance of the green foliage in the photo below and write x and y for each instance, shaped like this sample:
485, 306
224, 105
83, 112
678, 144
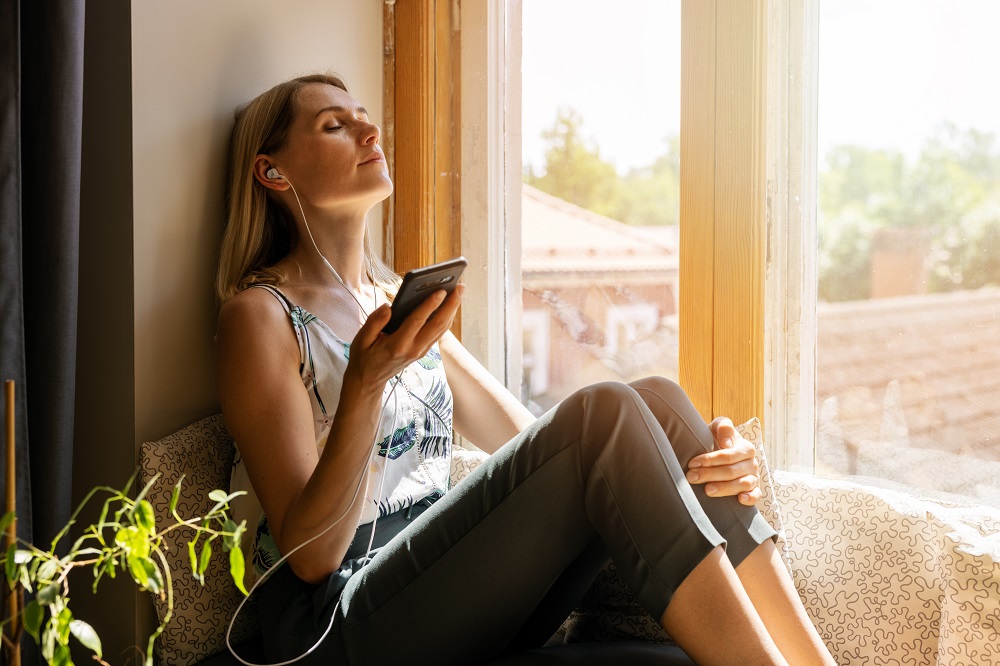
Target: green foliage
652, 195
575, 171
951, 189
129, 540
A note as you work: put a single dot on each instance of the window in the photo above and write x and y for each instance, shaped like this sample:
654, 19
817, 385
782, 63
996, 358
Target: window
908, 175
763, 273
599, 263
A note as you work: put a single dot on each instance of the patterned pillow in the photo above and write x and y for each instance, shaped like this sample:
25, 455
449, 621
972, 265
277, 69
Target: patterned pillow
970, 612
203, 452
886, 575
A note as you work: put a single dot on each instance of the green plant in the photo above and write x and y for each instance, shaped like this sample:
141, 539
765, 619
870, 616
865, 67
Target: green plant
128, 541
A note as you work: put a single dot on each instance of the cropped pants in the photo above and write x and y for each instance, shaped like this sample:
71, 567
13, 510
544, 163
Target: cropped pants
498, 563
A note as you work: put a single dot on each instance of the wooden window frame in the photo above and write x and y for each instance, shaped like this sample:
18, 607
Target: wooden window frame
747, 266
421, 105
723, 205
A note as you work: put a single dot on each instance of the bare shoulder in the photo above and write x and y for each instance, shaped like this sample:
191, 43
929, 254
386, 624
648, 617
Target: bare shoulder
252, 307
254, 326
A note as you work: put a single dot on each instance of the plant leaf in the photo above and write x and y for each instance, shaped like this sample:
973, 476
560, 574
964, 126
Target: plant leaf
176, 495
229, 540
193, 555
33, 616
133, 540
144, 516
62, 626
11, 567
206, 556
86, 635
237, 568
218, 495
138, 571
153, 575
5, 522
62, 656
46, 595
47, 570
25, 577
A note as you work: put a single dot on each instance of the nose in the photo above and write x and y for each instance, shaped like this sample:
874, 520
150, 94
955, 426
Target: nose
370, 133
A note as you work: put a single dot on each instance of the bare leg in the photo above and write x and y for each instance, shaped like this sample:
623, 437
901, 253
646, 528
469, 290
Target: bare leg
713, 619
772, 591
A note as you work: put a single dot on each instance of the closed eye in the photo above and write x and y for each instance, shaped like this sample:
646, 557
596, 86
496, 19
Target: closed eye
333, 128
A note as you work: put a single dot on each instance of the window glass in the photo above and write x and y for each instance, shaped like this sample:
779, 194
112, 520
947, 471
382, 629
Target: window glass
908, 359
600, 205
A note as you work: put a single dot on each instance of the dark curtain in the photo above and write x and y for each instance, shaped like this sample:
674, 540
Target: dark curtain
41, 113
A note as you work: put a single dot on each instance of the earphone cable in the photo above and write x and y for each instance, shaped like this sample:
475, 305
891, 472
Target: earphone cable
325, 260
274, 568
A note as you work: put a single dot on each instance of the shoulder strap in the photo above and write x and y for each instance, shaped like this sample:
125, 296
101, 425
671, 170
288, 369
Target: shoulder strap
301, 334
274, 291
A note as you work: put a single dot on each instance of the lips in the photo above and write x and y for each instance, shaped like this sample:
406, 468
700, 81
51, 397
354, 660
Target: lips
374, 157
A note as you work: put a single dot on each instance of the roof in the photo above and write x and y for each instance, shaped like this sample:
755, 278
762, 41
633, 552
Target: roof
943, 349
560, 237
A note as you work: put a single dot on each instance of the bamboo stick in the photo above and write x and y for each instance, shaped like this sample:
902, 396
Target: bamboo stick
14, 655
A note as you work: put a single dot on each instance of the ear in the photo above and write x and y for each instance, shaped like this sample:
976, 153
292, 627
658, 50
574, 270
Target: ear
261, 165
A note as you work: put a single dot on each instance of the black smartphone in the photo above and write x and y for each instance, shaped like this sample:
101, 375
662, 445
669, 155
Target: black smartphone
420, 283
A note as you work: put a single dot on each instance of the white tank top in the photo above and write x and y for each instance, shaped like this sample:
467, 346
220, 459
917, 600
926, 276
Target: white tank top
414, 436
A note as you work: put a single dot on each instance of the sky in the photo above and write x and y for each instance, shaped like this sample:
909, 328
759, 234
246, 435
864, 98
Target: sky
889, 72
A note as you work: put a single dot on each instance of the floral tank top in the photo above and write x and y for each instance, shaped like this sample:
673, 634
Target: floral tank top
414, 436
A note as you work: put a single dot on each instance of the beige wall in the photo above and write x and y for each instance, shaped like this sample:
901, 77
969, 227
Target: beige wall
193, 63
152, 212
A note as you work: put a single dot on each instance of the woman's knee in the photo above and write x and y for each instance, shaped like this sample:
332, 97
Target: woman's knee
605, 395
602, 408
660, 386
666, 391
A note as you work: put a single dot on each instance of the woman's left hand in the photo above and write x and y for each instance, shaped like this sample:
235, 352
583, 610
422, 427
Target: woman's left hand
732, 469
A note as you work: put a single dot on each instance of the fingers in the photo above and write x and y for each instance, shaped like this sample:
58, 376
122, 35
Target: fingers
723, 473
373, 326
724, 431
750, 498
731, 470
742, 450
744, 484
429, 321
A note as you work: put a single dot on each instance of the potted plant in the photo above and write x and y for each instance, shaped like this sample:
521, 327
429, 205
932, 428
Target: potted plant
124, 539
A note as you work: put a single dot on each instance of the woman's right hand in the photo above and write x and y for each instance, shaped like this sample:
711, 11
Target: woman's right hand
376, 357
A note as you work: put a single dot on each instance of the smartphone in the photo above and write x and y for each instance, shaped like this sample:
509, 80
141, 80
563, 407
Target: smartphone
420, 283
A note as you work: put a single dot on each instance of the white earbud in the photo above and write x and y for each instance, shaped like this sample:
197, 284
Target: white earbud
273, 173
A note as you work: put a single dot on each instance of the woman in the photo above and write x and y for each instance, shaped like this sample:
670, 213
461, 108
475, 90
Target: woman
517, 542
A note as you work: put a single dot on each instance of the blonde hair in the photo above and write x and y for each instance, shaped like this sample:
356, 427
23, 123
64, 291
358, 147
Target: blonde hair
259, 230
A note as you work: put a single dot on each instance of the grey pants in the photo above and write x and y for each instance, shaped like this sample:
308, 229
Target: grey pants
499, 561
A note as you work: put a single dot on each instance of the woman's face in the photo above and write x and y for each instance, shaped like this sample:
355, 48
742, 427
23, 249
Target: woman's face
332, 156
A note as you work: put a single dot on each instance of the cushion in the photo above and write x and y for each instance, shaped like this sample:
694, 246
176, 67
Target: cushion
203, 452
884, 574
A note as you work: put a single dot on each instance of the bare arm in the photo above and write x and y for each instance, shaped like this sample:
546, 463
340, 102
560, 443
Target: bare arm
486, 413
268, 413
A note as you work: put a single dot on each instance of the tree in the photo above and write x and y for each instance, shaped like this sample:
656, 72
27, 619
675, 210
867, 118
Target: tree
652, 195
574, 169
952, 189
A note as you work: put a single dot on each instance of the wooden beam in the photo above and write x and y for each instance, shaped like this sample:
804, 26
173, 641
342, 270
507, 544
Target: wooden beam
414, 123
697, 205
422, 99
740, 208
723, 205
